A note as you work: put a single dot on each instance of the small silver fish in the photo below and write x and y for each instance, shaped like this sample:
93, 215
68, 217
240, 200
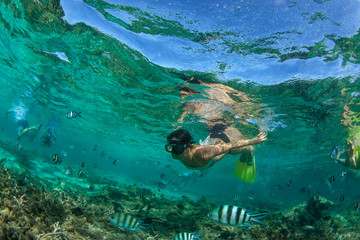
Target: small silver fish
187, 236
308, 227
19, 146
69, 171
125, 221
73, 114
236, 216
63, 153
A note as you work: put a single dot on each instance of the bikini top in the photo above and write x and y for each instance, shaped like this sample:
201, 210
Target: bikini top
203, 168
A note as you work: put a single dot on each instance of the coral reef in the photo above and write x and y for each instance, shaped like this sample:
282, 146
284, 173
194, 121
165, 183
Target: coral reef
34, 208
28, 211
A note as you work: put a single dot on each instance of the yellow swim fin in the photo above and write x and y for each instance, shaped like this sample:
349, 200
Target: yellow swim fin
245, 168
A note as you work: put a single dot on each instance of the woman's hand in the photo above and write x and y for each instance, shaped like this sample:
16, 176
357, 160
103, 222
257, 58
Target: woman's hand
256, 140
261, 137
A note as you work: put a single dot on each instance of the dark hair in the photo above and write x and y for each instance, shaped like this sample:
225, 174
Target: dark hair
182, 136
188, 89
194, 80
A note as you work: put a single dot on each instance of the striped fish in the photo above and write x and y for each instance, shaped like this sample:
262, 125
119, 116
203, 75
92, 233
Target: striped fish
125, 222
160, 185
187, 236
235, 216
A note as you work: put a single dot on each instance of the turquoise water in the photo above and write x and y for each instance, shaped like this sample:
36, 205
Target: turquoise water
121, 65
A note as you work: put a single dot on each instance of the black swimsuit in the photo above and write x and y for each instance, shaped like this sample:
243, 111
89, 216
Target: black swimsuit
218, 131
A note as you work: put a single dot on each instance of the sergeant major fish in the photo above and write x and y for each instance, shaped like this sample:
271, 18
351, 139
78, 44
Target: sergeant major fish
235, 216
160, 185
125, 221
342, 174
332, 179
73, 114
186, 236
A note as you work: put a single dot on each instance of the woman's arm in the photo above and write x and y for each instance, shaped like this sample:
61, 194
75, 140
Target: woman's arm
208, 152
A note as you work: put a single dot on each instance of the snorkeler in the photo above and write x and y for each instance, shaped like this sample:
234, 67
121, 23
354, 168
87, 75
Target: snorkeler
22, 129
352, 154
215, 99
350, 121
48, 138
22, 125
201, 157
351, 160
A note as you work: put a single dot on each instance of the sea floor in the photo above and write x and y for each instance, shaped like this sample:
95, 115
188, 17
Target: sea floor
34, 207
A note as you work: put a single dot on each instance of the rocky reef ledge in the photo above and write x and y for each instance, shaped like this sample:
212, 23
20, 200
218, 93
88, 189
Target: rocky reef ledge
31, 209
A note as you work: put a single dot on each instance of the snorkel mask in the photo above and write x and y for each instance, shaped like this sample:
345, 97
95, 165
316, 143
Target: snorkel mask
178, 141
175, 147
